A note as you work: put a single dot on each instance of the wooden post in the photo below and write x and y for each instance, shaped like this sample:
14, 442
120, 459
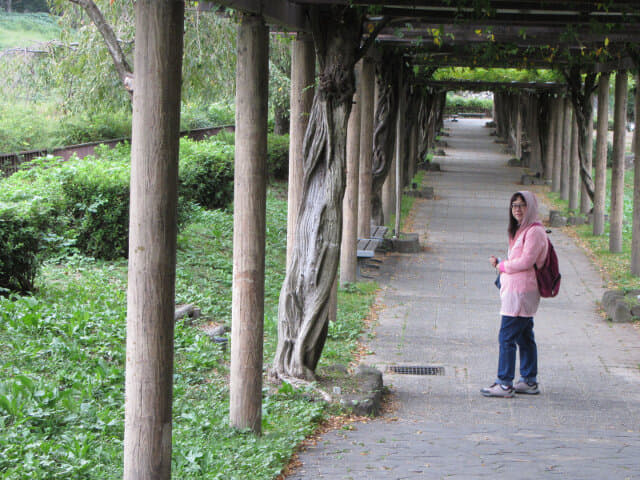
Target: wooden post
635, 236
250, 183
349, 245
413, 156
366, 148
601, 155
558, 143
518, 146
574, 167
585, 201
549, 154
152, 240
535, 156
400, 150
389, 188
617, 170
302, 78
566, 149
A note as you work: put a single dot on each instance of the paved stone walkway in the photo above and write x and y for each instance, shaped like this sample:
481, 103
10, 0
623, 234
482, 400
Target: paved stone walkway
440, 308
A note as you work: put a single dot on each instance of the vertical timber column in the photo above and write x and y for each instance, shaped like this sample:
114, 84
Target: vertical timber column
557, 143
549, 154
585, 201
152, 240
600, 189
365, 182
566, 149
302, 79
635, 239
518, 146
249, 206
617, 170
389, 188
413, 142
535, 157
349, 245
574, 167
400, 150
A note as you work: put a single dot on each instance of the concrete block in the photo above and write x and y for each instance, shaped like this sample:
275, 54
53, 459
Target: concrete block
621, 312
406, 243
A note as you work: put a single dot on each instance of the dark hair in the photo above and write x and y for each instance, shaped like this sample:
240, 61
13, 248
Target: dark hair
513, 223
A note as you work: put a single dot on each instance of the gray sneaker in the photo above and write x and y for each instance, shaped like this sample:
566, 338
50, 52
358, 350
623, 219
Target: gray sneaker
497, 390
527, 388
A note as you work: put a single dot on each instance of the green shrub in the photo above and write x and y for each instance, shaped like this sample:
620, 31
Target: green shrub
277, 153
456, 103
206, 172
198, 115
31, 212
278, 156
84, 128
97, 196
20, 239
221, 114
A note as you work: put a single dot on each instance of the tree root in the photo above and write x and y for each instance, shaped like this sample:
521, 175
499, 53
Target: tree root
297, 382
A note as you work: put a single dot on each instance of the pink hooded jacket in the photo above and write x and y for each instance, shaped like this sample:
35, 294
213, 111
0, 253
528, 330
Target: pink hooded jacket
519, 292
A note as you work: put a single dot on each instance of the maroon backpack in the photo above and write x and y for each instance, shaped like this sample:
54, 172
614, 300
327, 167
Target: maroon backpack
548, 276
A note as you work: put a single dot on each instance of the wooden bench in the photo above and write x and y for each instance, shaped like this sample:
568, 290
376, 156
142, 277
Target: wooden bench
379, 232
366, 248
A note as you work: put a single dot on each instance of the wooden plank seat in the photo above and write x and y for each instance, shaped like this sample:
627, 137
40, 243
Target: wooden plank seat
365, 251
366, 248
379, 232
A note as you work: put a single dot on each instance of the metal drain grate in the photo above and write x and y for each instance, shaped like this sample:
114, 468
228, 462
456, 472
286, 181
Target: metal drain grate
405, 370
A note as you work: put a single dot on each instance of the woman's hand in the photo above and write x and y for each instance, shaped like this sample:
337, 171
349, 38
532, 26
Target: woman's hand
494, 261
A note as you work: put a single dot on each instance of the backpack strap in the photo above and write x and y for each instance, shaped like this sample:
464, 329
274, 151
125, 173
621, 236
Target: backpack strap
524, 237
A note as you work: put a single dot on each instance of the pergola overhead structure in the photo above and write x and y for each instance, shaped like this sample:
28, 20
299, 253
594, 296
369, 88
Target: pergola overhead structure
383, 54
489, 33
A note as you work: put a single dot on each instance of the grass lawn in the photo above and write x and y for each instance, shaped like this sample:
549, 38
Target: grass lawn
26, 29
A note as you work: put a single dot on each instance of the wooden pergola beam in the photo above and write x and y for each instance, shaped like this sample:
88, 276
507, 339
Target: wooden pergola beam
525, 5
280, 12
481, 86
455, 35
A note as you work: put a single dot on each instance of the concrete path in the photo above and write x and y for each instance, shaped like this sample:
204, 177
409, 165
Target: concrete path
440, 308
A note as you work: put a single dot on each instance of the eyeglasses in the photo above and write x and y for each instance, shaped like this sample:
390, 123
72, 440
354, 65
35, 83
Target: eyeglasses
518, 205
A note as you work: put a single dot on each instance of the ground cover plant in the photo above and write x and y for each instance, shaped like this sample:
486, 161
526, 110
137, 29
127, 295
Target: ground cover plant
615, 267
62, 351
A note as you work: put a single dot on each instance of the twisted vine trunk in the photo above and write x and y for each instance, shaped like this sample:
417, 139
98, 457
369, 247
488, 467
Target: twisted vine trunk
411, 102
583, 110
304, 298
423, 125
384, 130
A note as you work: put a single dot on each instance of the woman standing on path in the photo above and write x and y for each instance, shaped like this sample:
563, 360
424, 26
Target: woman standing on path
519, 296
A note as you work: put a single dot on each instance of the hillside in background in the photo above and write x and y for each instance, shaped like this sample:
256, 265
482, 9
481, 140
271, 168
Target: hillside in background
26, 29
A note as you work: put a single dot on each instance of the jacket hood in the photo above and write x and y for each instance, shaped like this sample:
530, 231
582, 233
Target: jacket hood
532, 215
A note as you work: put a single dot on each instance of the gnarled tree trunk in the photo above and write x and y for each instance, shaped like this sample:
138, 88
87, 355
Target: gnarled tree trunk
384, 129
583, 110
304, 298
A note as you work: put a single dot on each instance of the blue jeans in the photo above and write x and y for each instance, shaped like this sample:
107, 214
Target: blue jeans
517, 331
